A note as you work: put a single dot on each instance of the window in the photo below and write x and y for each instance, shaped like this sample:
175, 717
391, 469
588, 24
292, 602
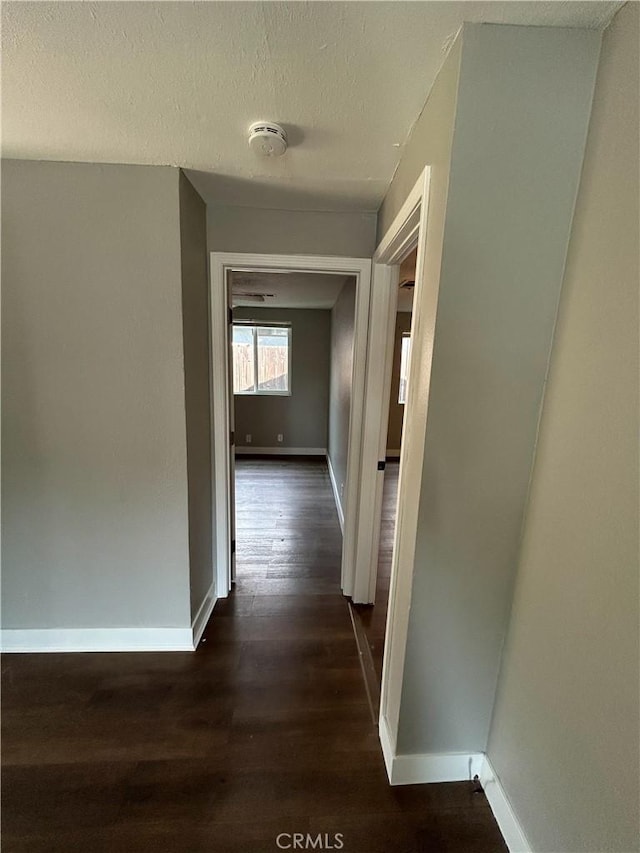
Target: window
404, 367
261, 359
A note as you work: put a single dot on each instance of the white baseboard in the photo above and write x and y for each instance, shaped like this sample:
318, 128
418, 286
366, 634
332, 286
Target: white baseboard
280, 451
504, 814
435, 767
427, 767
455, 767
393, 454
336, 493
202, 616
388, 746
39, 640
43, 640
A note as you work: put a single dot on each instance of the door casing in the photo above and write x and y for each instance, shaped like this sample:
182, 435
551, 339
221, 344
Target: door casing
408, 230
221, 264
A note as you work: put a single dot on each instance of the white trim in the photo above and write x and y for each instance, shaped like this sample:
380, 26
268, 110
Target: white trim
393, 453
221, 262
436, 767
400, 239
427, 767
454, 767
336, 494
353, 481
402, 234
36, 640
199, 622
376, 416
247, 449
407, 231
506, 818
220, 408
388, 743
44, 640
213, 455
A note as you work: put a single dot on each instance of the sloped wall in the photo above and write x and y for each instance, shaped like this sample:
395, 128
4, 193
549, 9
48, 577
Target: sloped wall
564, 737
523, 106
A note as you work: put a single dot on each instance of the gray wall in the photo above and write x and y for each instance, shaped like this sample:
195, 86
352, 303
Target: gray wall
396, 410
302, 416
517, 153
195, 326
564, 737
429, 144
94, 474
248, 229
342, 331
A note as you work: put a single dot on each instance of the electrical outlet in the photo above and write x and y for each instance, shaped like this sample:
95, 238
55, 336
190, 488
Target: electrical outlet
280, 437
247, 438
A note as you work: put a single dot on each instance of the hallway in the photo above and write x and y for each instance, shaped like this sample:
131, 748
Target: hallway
264, 730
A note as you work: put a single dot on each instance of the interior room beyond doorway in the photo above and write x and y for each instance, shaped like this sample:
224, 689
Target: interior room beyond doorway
370, 620
292, 359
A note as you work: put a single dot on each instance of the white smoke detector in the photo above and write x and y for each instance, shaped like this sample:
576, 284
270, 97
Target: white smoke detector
267, 139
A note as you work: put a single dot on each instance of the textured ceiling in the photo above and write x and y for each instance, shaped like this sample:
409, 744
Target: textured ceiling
305, 290
178, 83
287, 290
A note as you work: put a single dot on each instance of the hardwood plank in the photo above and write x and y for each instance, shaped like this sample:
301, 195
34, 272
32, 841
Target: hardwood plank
373, 618
264, 729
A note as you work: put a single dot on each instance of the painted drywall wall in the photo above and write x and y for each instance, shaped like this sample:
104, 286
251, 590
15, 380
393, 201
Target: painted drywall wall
396, 409
301, 418
429, 144
291, 232
564, 737
94, 468
195, 327
342, 331
515, 166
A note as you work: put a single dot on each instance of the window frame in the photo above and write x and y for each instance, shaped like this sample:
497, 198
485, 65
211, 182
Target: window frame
255, 326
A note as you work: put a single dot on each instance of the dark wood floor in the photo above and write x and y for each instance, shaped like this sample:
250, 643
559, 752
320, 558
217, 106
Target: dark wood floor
374, 618
264, 730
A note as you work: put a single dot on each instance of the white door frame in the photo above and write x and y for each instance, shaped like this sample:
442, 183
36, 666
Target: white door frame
221, 263
408, 230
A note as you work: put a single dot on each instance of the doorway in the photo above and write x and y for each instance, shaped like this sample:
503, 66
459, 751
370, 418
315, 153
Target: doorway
244, 270
291, 364
370, 619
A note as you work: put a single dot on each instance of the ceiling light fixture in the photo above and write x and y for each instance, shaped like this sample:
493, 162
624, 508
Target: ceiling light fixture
253, 297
